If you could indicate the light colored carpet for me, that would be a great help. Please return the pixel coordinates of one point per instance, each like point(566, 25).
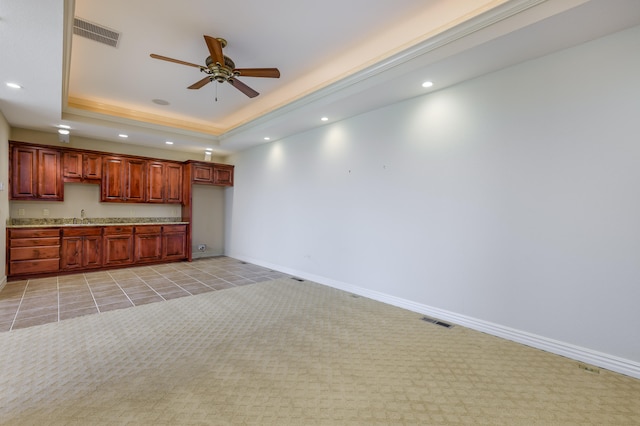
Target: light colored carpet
point(285, 352)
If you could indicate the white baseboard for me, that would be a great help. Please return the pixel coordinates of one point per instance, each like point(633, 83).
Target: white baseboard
point(598, 359)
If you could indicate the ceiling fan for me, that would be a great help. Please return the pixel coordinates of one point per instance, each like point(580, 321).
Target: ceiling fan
point(221, 68)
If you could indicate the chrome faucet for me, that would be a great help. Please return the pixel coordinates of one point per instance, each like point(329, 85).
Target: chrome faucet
point(82, 215)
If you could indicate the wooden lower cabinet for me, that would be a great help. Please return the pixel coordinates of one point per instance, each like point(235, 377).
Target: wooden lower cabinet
point(81, 248)
point(148, 243)
point(174, 242)
point(33, 251)
point(154, 243)
point(46, 251)
point(118, 245)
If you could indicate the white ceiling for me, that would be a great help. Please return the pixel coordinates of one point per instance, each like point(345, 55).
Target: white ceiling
point(337, 58)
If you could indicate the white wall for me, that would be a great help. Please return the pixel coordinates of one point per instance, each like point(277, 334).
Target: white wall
point(208, 220)
point(511, 200)
point(80, 196)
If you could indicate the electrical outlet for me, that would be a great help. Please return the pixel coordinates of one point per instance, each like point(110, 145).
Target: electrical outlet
point(45, 212)
point(20, 212)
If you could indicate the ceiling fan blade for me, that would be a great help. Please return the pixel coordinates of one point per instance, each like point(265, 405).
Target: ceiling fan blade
point(258, 72)
point(177, 61)
point(200, 83)
point(243, 88)
point(215, 49)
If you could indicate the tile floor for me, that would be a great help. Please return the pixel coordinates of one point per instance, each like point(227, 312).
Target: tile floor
point(39, 301)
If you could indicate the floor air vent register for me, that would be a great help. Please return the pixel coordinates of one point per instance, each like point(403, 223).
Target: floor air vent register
point(437, 322)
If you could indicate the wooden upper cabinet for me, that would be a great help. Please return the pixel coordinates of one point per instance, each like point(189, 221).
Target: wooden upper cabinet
point(173, 183)
point(81, 166)
point(123, 180)
point(36, 174)
point(202, 172)
point(24, 168)
point(156, 171)
point(223, 174)
point(135, 179)
point(212, 173)
point(49, 175)
point(112, 188)
point(164, 182)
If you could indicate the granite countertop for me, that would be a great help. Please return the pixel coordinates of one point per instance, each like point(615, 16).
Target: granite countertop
point(104, 221)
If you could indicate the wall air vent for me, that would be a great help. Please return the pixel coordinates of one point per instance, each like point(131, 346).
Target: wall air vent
point(95, 32)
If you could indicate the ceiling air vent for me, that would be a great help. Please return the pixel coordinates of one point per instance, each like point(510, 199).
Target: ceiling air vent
point(95, 32)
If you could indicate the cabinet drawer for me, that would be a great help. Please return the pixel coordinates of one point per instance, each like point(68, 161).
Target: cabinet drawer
point(31, 242)
point(34, 266)
point(34, 233)
point(80, 232)
point(175, 228)
point(113, 230)
point(148, 229)
point(38, 252)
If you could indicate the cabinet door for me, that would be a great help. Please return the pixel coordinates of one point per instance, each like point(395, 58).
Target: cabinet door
point(173, 183)
point(71, 253)
point(118, 249)
point(156, 182)
point(92, 251)
point(81, 167)
point(92, 166)
point(174, 244)
point(135, 180)
point(72, 166)
point(202, 173)
point(23, 172)
point(50, 175)
point(112, 188)
point(148, 247)
point(223, 175)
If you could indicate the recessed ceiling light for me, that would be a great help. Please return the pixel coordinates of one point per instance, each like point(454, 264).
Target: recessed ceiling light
point(160, 102)
point(267, 138)
point(64, 126)
point(325, 119)
point(122, 135)
point(427, 84)
point(169, 143)
point(63, 131)
point(14, 85)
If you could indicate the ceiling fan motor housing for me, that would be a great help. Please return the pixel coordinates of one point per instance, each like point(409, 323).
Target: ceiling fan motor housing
point(220, 73)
